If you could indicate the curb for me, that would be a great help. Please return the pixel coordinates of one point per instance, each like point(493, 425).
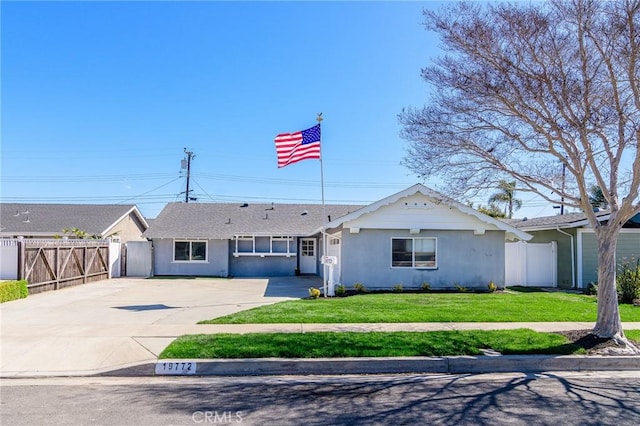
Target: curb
point(400, 365)
point(360, 366)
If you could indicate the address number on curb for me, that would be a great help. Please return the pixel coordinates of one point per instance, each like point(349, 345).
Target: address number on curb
point(176, 368)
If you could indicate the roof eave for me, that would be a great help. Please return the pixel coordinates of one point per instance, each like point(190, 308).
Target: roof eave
point(440, 198)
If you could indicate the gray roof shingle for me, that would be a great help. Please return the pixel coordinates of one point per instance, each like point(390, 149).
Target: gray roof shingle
point(39, 219)
point(569, 220)
point(224, 220)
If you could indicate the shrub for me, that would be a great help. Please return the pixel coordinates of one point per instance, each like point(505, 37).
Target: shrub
point(12, 290)
point(398, 288)
point(460, 288)
point(628, 281)
point(492, 287)
point(341, 290)
point(314, 293)
point(359, 287)
point(425, 286)
point(591, 289)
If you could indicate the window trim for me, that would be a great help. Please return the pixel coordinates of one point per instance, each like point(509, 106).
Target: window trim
point(191, 260)
point(413, 252)
point(288, 239)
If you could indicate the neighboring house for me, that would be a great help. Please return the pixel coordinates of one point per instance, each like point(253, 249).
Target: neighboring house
point(124, 222)
point(419, 236)
point(411, 237)
point(241, 240)
point(577, 250)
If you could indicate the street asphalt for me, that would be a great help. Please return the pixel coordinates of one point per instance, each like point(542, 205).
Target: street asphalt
point(120, 326)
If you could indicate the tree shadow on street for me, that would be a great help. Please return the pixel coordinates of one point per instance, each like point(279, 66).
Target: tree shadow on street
point(367, 400)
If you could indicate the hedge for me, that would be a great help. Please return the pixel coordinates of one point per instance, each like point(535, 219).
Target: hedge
point(12, 290)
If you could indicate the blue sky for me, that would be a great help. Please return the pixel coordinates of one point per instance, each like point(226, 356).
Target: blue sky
point(99, 99)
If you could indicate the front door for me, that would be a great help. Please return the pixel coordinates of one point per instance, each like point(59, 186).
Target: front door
point(308, 256)
point(334, 250)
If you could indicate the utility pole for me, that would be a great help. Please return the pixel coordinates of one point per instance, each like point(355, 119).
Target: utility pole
point(190, 156)
point(564, 177)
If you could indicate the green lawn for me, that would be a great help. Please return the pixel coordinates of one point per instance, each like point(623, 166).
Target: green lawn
point(431, 307)
point(374, 344)
point(633, 335)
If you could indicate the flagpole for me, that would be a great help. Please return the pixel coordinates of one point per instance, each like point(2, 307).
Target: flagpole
point(324, 215)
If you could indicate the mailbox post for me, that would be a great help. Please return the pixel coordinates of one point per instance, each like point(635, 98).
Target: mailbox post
point(330, 261)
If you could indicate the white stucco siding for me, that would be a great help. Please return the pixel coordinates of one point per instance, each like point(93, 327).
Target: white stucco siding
point(418, 212)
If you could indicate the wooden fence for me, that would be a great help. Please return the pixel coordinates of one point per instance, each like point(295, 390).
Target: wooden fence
point(54, 264)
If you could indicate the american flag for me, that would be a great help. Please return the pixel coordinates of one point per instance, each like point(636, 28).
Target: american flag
point(298, 146)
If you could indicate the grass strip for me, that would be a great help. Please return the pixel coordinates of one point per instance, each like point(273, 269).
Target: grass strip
point(633, 335)
point(430, 307)
point(371, 344)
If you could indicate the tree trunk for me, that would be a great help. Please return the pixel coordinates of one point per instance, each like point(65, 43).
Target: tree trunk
point(608, 324)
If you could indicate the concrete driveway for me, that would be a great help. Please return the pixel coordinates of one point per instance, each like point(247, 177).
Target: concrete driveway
point(123, 322)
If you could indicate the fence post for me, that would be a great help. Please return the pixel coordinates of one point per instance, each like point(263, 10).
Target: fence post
point(56, 261)
point(21, 260)
point(86, 265)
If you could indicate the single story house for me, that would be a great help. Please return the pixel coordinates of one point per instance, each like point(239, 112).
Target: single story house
point(20, 220)
point(577, 250)
point(412, 237)
point(420, 236)
point(240, 240)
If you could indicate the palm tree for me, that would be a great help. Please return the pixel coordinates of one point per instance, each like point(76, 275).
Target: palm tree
point(506, 196)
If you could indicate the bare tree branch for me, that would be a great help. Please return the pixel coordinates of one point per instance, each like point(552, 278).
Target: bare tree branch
point(525, 90)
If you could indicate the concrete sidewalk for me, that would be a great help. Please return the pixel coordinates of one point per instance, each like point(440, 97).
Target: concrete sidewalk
point(123, 325)
point(133, 350)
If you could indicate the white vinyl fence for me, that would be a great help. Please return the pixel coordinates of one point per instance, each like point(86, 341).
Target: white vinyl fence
point(531, 265)
point(9, 259)
point(139, 259)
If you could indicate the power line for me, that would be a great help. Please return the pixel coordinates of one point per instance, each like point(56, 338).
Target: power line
point(151, 190)
point(205, 176)
point(203, 190)
point(86, 178)
point(114, 198)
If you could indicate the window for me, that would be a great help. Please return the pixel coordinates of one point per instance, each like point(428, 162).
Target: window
point(413, 252)
point(281, 244)
point(308, 247)
point(190, 251)
point(264, 245)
